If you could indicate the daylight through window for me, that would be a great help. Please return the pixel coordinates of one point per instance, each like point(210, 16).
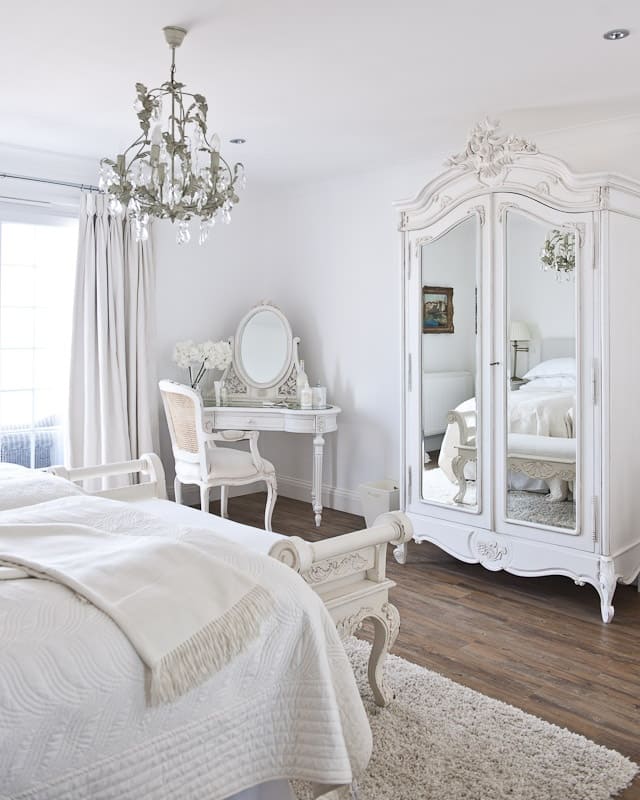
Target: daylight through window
point(37, 268)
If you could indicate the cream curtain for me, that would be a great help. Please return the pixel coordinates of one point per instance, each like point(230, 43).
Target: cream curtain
point(112, 408)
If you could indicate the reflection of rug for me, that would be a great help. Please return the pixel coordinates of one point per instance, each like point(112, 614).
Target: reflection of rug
point(441, 741)
point(534, 507)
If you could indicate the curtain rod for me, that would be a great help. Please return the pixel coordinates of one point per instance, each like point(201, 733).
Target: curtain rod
point(68, 184)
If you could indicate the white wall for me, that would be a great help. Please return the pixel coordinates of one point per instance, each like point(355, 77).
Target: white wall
point(204, 290)
point(340, 258)
point(328, 254)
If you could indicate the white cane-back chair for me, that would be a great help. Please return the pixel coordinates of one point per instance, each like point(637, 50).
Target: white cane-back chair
point(200, 461)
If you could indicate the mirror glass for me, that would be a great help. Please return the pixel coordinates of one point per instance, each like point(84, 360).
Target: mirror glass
point(450, 410)
point(541, 397)
point(264, 347)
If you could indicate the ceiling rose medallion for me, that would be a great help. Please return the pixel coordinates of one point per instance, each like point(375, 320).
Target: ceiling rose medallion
point(174, 169)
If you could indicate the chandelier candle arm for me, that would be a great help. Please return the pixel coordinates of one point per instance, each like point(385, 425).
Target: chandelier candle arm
point(172, 170)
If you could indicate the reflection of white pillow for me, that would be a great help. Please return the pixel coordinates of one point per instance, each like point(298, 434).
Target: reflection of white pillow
point(562, 382)
point(553, 368)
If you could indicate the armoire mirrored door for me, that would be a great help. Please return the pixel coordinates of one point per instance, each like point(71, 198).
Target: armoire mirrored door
point(541, 403)
point(450, 431)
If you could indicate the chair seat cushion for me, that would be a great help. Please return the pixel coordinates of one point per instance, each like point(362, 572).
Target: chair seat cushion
point(223, 462)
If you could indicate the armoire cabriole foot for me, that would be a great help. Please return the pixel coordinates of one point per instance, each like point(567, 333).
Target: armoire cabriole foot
point(527, 273)
point(607, 586)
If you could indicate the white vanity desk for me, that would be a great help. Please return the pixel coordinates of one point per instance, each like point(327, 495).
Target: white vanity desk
point(260, 389)
point(315, 422)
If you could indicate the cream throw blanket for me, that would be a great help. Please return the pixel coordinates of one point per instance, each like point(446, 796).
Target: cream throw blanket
point(186, 612)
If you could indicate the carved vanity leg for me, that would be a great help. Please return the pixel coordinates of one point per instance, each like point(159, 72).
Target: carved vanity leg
point(272, 496)
point(316, 493)
point(204, 498)
point(177, 490)
point(457, 465)
point(386, 628)
point(224, 497)
point(607, 586)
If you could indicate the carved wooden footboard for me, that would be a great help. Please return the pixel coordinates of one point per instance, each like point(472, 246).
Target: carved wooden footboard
point(347, 571)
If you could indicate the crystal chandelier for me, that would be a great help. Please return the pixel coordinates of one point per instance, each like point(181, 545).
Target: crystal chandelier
point(172, 170)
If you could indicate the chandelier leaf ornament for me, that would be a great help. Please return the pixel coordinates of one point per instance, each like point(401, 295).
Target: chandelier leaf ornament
point(173, 170)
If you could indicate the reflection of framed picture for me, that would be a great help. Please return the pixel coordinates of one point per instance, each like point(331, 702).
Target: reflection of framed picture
point(437, 309)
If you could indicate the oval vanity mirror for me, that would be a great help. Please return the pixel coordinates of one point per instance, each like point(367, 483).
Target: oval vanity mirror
point(263, 347)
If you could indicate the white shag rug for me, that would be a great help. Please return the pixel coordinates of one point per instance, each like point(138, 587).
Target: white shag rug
point(534, 507)
point(439, 740)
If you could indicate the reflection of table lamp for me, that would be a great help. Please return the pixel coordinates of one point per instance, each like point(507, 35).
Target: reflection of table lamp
point(518, 332)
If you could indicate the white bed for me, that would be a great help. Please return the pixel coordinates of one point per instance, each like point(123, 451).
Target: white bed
point(535, 410)
point(73, 719)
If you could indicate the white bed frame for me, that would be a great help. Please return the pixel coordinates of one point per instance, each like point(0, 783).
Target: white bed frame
point(347, 571)
point(548, 458)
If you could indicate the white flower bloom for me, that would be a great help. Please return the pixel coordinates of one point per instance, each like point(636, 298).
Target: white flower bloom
point(217, 355)
point(181, 353)
point(210, 355)
point(196, 356)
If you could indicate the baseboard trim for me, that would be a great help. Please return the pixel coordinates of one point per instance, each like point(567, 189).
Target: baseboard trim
point(335, 497)
point(346, 500)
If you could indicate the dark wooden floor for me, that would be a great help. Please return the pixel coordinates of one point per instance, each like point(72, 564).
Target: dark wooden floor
point(537, 643)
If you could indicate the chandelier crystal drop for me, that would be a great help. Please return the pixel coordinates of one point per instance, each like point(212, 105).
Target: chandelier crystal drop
point(173, 170)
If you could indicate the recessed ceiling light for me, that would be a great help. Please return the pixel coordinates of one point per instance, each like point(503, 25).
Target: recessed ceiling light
point(237, 141)
point(615, 34)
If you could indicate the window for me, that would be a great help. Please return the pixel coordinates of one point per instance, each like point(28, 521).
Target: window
point(37, 270)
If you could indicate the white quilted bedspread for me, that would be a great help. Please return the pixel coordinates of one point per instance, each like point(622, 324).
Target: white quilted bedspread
point(73, 720)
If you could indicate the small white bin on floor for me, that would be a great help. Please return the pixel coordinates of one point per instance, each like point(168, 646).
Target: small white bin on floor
point(378, 497)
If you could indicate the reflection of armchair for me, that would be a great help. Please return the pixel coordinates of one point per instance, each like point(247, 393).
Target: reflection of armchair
point(467, 448)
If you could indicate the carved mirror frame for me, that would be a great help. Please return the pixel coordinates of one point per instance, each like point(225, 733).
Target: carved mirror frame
point(240, 386)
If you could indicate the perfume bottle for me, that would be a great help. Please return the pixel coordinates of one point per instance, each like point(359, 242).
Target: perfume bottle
point(302, 382)
point(306, 397)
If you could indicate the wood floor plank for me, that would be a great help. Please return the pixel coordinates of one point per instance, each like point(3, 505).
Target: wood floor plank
point(536, 643)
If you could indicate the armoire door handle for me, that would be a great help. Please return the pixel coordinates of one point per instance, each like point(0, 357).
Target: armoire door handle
point(494, 363)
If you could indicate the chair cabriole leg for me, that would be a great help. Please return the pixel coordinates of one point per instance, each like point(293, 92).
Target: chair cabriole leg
point(272, 496)
point(204, 498)
point(224, 496)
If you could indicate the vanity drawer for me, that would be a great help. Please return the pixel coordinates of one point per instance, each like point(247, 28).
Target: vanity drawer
point(247, 422)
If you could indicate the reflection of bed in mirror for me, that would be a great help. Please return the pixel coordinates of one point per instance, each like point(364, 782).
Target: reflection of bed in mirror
point(541, 441)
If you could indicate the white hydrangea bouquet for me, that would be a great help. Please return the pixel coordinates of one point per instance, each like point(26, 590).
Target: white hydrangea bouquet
point(198, 358)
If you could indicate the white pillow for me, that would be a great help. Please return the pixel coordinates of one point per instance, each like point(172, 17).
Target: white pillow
point(561, 383)
point(553, 368)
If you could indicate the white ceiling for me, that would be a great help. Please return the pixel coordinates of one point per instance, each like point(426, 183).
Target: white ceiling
point(316, 87)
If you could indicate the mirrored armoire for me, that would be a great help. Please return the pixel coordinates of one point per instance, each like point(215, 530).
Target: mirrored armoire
point(521, 354)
